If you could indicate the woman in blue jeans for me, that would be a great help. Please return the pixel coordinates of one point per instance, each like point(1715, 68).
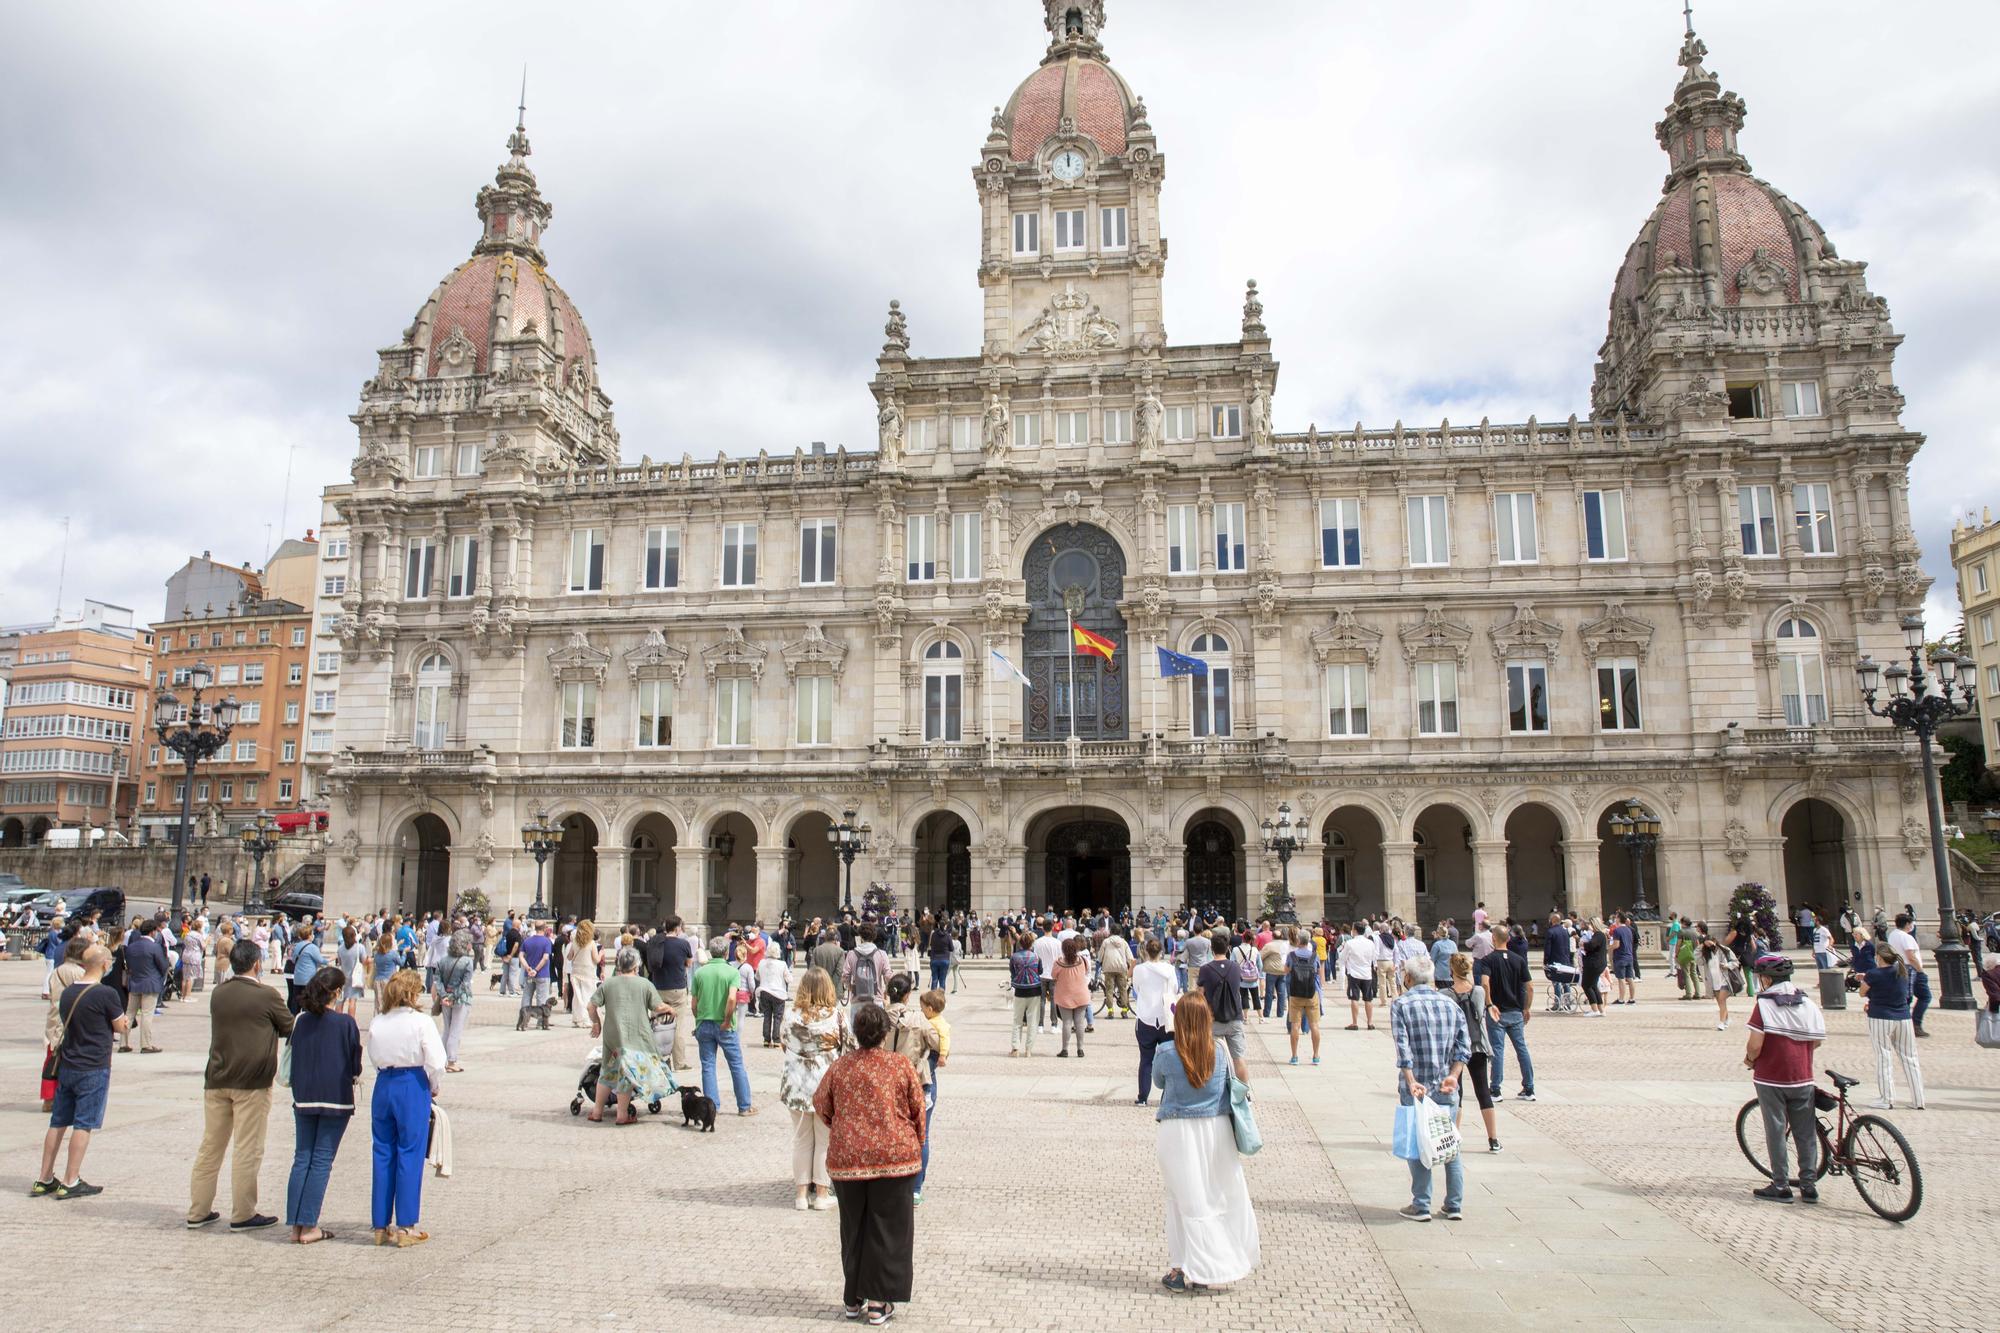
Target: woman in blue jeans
point(326, 1064)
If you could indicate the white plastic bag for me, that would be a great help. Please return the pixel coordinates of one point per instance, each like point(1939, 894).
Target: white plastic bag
point(1437, 1136)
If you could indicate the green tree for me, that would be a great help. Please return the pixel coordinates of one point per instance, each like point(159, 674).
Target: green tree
point(1965, 776)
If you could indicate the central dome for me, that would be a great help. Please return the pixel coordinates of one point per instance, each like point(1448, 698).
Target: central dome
point(1074, 90)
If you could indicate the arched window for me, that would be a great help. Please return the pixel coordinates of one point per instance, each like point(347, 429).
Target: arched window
point(1801, 673)
point(944, 692)
point(1210, 716)
point(433, 702)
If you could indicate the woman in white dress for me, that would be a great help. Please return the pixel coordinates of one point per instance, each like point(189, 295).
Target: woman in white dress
point(1211, 1228)
point(585, 966)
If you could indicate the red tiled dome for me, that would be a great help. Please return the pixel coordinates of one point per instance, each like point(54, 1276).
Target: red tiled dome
point(1086, 90)
point(1750, 216)
point(468, 302)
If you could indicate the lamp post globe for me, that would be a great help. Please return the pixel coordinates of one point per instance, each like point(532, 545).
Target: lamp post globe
point(1283, 837)
point(260, 839)
point(539, 839)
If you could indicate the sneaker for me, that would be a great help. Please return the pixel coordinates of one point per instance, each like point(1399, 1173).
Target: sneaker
point(1295, 1059)
point(916, 1197)
point(1414, 1213)
point(1062, 1055)
point(82, 1189)
point(1493, 1145)
point(204, 1221)
point(1315, 1059)
point(1453, 1214)
point(1497, 1095)
point(824, 1203)
point(800, 1203)
point(1723, 1026)
point(1883, 1104)
point(254, 1222)
point(1774, 1194)
point(1809, 1193)
point(1527, 1094)
point(43, 1188)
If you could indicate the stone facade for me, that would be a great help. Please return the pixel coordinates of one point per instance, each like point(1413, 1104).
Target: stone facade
point(1454, 650)
point(1973, 546)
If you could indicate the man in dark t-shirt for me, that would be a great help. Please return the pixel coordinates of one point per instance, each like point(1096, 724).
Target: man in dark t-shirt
point(668, 956)
point(1510, 1003)
point(90, 1014)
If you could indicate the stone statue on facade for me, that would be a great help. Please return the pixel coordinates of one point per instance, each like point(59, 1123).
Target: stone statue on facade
point(993, 441)
point(891, 423)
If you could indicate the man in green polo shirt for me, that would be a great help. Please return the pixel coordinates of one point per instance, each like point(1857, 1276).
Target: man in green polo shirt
point(714, 985)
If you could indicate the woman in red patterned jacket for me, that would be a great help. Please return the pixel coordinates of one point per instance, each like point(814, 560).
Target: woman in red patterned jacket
point(873, 1107)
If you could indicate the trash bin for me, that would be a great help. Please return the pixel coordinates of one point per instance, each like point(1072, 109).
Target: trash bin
point(1832, 988)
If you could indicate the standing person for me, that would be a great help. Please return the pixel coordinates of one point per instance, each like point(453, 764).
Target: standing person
point(827, 956)
point(774, 988)
point(1887, 989)
point(386, 964)
point(586, 964)
point(1596, 957)
point(1510, 1003)
point(1072, 994)
point(1211, 1227)
point(1903, 944)
point(146, 971)
point(1024, 977)
point(408, 1056)
point(1356, 961)
point(1471, 999)
point(1048, 951)
point(1272, 951)
point(622, 1013)
point(865, 971)
point(873, 1108)
point(1717, 966)
point(1302, 991)
point(246, 1022)
point(352, 960)
point(669, 961)
point(714, 985)
point(454, 993)
point(326, 1064)
point(1218, 985)
point(66, 975)
point(1822, 947)
point(1685, 966)
point(204, 893)
point(932, 1003)
point(939, 949)
point(1243, 956)
point(1154, 988)
point(1432, 1046)
point(1786, 1026)
point(1114, 965)
point(813, 1036)
point(194, 953)
point(88, 1014)
point(533, 962)
point(1625, 960)
point(306, 959)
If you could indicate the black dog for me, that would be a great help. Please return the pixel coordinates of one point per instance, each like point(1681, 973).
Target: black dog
point(697, 1110)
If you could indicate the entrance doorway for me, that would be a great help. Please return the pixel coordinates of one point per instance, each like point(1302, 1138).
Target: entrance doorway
point(1213, 858)
point(1088, 865)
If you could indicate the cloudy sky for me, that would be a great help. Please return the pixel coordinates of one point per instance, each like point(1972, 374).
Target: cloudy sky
point(217, 212)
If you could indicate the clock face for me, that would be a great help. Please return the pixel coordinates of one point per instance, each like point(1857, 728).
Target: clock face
point(1067, 165)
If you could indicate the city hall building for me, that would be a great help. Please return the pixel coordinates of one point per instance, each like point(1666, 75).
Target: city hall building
point(1456, 651)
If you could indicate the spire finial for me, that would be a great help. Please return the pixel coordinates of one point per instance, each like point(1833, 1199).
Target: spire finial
point(517, 142)
point(1687, 12)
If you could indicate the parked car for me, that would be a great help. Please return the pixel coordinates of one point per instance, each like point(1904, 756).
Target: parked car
point(298, 905)
point(108, 902)
point(10, 884)
point(14, 895)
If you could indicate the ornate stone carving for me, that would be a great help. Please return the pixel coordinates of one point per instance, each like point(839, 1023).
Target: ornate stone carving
point(1916, 841)
point(456, 355)
point(1526, 635)
point(1674, 793)
point(577, 660)
point(1875, 580)
point(656, 659)
point(896, 333)
point(1761, 280)
point(735, 656)
point(1912, 580)
point(1070, 326)
point(1736, 842)
point(483, 851)
point(1866, 393)
point(993, 431)
point(1346, 640)
point(889, 422)
point(349, 845)
point(1732, 784)
point(1616, 632)
point(813, 653)
point(1151, 413)
point(1435, 637)
point(1253, 314)
point(1699, 401)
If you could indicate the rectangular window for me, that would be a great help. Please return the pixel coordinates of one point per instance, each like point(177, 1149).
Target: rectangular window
point(152, 792)
point(325, 664)
point(815, 710)
point(1210, 697)
point(284, 789)
point(1118, 425)
point(319, 742)
point(251, 712)
point(1072, 428)
point(290, 751)
point(586, 560)
point(295, 673)
point(920, 435)
point(1183, 539)
point(1759, 520)
point(579, 715)
point(1979, 579)
point(1802, 688)
point(733, 703)
point(919, 558)
point(1993, 680)
point(965, 435)
point(1604, 525)
point(1514, 527)
point(215, 639)
point(1347, 700)
point(1228, 538)
point(1111, 233)
point(1618, 694)
point(1812, 511)
point(468, 459)
point(1027, 430)
point(944, 699)
point(1437, 699)
point(656, 714)
point(1226, 422)
point(263, 636)
point(242, 638)
point(1986, 627)
point(226, 675)
point(739, 555)
point(246, 752)
point(333, 585)
point(817, 552)
point(1430, 530)
point(1340, 534)
point(1069, 229)
point(292, 712)
point(430, 460)
point(336, 548)
point(462, 575)
point(965, 546)
point(1027, 233)
point(663, 558)
point(1800, 397)
point(299, 637)
point(224, 792)
point(419, 564)
point(1177, 424)
point(1527, 697)
point(1746, 400)
point(322, 700)
point(201, 791)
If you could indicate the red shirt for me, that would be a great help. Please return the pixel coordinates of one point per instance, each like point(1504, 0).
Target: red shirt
point(1784, 1062)
point(754, 949)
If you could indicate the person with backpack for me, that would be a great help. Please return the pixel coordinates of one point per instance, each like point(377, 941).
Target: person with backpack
point(864, 975)
point(1302, 1003)
point(1024, 977)
point(1221, 986)
point(939, 948)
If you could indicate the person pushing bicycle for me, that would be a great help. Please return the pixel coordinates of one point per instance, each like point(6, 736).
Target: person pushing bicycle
point(1786, 1026)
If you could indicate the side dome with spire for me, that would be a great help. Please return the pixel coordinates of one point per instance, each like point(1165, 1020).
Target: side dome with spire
point(1074, 90)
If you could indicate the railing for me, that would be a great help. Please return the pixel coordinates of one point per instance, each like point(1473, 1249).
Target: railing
point(1822, 734)
point(1216, 747)
point(1485, 437)
point(796, 467)
point(451, 395)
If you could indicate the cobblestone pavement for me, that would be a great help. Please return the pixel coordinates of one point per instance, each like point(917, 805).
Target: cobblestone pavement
point(1620, 1203)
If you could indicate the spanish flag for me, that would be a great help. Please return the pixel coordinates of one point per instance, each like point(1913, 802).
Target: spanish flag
point(1083, 641)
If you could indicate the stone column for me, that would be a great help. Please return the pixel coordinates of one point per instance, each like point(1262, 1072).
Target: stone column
point(691, 889)
point(1580, 881)
point(999, 880)
point(614, 865)
point(772, 866)
point(1309, 882)
point(1399, 879)
point(1155, 889)
point(1489, 875)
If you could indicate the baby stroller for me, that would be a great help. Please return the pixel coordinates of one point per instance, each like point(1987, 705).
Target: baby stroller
point(586, 1086)
point(1565, 994)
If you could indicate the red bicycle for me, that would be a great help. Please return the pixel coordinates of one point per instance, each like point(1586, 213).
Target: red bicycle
point(1866, 1148)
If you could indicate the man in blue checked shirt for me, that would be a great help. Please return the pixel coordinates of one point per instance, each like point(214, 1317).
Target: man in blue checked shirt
point(1432, 1047)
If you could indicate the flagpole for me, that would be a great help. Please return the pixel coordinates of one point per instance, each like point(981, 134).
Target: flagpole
point(1153, 693)
point(990, 650)
point(1072, 670)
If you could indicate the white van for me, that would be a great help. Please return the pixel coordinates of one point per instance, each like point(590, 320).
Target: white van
point(73, 837)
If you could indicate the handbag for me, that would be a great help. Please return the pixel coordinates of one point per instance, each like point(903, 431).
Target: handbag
point(1403, 1138)
point(1242, 1121)
point(285, 1066)
point(1987, 1034)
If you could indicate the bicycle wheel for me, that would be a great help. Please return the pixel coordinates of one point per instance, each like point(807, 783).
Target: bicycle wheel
point(1750, 1138)
point(1884, 1168)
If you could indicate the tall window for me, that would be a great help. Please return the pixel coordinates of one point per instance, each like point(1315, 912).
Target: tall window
point(1759, 520)
point(1801, 673)
point(817, 566)
point(919, 555)
point(1618, 694)
point(1430, 530)
point(1210, 693)
point(1177, 424)
point(965, 434)
point(463, 577)
point(1028, 430)
point(1604, 525)
point(1183, 539)
point(1812, 511)
point(1979, 581)
point(1527, 697)
point(1437, 699)
point(733, 705)
point(1112, 235)
point(1072, 428)
point(1027, 233)
point(663, 558)
point(1799, 398)
point(920, 435)
point(586, 560)
point(1227, 423)
point(1514, 527)
point(965, 546)
point(1340, 534)
point(815, 710)
point(579, 715)
point(429, 460)
point(656, 714)
point(433, 702)
point(1228, 538)
point(1347, 699)
point(1069, 229)
point(739, 555)
point(468, 459)
point(1118, 425)
point(944, 692)
point(419, 563)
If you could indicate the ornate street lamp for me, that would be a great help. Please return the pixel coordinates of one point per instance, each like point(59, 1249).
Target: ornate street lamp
point(849, 841)
point(1639, 829)
point(203, 733)
point(1919, 704)
point(540, 839)
point(1284, 838)
point(260, 839)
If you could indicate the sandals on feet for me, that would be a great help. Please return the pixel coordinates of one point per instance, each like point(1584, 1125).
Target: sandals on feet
point(881, 1314)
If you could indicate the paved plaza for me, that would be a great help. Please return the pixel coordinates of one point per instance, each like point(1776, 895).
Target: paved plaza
point(1620, 1202)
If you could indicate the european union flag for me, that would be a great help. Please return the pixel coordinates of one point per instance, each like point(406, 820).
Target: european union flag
point(1178, 664)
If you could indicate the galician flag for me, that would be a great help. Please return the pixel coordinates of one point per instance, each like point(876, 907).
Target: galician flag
point(1009, 671)
point(1083, 641)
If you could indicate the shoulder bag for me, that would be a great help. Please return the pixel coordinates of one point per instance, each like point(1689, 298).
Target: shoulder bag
point(52, 1062)
point(1242, 1121)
